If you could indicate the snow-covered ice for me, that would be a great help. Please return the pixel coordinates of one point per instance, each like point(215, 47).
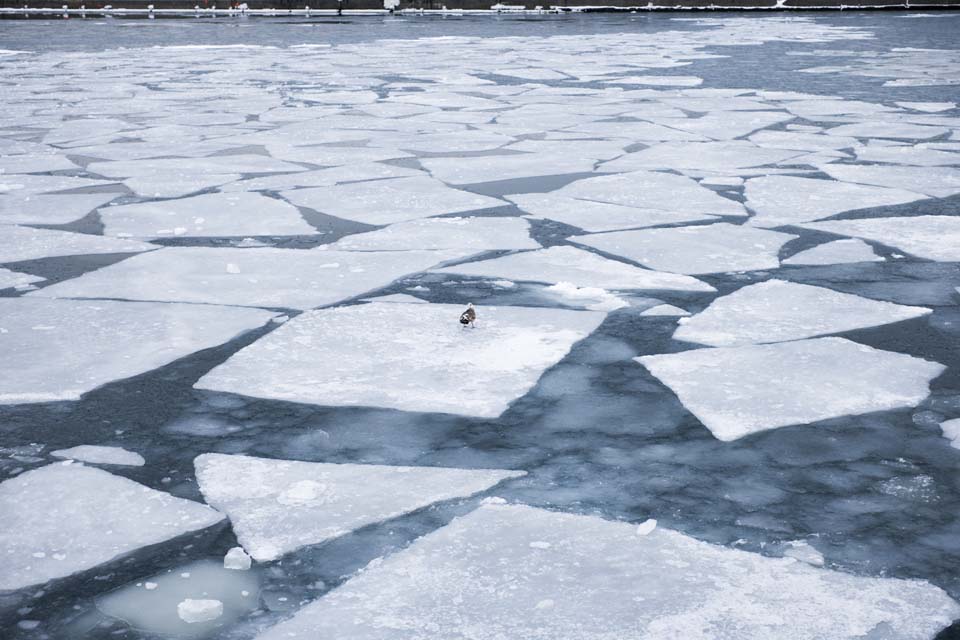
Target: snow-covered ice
point(60, 349)
point(777, 311)
point(475, 234)
point(578, 267)
point(785, 200)
point(65, 518)
point(930, 237)
point(264, 277)
point(532, 573)
point(97, 454)
point(712, 248)
point(389, 201)
point(433, 365)
point(27, 243)
point(277, 506)
point(593, 216)
point(212, 214)
point(951, 431)
point(804, 381)
point(836, 252)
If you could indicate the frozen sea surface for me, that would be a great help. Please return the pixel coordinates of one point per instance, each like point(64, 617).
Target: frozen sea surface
point(248, 242)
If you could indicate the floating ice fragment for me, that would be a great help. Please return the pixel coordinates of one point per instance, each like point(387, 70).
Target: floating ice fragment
point(777, 311)
point(236, 559)
point(665, 310)
point(604, 581)
point(712, 248)
point(595, 216)
point(79, 517)
point(13, 279)
point(804, 552)
point(785, 200)
point(646, 527)
point(192, 611)
point(211, 214)
point(939, 182)
point(249, 491)
point(896, 130)
point(505, 167)
point(432, 364)
point(931, 237)
point(577, 267)
point(836, 252)
point(267, 277)
point(96, 454)
point(476, 234)
point(737, 391)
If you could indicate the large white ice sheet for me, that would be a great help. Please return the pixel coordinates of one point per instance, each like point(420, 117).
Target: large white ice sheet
point(512, 572)
point(577, 267)
point(930, 237)
point(737, 391)
point(482, 233)
point(389, 201)
point(413, 357)
point(277, 506)
point(60, 349)
point(712, 248)
point(652, 190)
point(259, 277)
point(65, 518)
point(27, 243)
point(211, 214)
point(785, 200)
point(776, 311)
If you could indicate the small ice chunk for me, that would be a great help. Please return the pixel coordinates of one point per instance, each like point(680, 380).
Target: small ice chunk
point(777, 311)
point(476, 234)
point(578, 267)
point(592, 298)
point(804, 552)
point(601, 581)
point(646, 527)
point(785, 200)
point(78, 517)
point(665, 310)
point(434, 365)
point(931, 237)
point(331, 499)
point(96, 454)
point(951, 431)
point(712, 248)
point(737, 391)
point(836, 252)
point(237, 559)
point(192, 611)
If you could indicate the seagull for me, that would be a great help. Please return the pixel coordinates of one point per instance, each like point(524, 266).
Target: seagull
point(469, 316)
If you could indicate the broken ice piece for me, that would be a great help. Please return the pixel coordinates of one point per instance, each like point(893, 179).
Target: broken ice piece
point(96, 454)
point(236, 559)
point(192, 611)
